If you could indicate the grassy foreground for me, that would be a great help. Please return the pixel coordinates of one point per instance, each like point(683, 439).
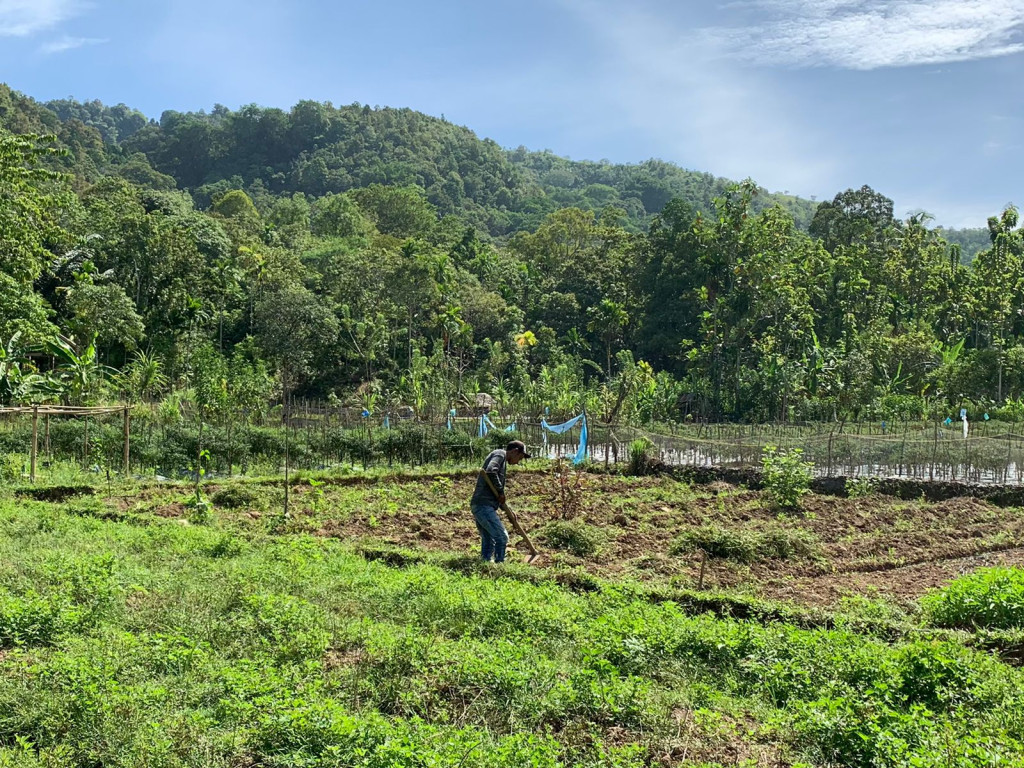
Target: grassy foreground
point(149, 641)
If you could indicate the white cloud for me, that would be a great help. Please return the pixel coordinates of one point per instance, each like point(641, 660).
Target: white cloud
point(22, 18)
point(67, 43)
point(869, 34)
point(696, 107)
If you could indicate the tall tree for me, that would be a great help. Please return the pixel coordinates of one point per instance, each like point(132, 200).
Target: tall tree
point(32, 201)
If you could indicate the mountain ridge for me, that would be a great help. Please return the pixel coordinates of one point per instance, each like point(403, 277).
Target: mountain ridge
point(316, 149)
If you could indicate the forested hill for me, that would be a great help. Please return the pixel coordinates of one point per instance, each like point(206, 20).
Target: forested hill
point(211, 250)
point(317, 149)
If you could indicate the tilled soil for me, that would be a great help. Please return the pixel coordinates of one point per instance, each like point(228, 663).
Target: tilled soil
point(876, 546)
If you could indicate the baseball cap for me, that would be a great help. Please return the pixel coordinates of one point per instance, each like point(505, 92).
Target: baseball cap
point(518, 445)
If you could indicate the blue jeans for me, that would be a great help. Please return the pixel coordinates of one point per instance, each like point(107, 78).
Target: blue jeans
point(493, 536)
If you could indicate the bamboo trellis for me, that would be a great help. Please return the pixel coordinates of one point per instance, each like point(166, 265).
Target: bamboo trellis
point(70, 410)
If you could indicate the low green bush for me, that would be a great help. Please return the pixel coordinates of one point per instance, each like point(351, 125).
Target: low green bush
point(575, 537)
point(640, 451)
point(30, 620)
point(746, 546)
point(723, 543)
point(787, 544)
point(786, 476)
point(499, 438)
point(234, 497)
point(991, 598)
point(860, 487)
point(12, 467)
point(226, 545)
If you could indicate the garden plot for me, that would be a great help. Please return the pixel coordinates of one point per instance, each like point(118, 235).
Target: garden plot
point(144, 626)
point(649, 529)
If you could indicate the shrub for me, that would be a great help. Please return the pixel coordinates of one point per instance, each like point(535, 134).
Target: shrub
point(992, 598)
point(234, 497)
point(441, 488)
point(717, 542)
point(640, 456)
point(859, 487)
point(575, 537)
point(499, 438)
point(786, 476)
point(199, 509)
point(30, 620)
point(226, 545)
point(745, 546)
point(12, 467)
point(787, 544)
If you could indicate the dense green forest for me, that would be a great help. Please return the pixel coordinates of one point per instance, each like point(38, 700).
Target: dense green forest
point(381, 257)
point(317, 149)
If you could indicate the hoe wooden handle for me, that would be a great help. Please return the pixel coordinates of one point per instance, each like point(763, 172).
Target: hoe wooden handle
point(518, 528)
point(513, 518)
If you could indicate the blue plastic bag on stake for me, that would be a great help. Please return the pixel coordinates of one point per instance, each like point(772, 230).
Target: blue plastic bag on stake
point(581, 453)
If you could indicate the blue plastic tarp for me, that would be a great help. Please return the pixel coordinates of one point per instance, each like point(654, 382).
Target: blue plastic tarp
point(559, 429)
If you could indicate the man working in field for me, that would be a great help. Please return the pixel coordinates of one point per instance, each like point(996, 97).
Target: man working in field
point(489, 496)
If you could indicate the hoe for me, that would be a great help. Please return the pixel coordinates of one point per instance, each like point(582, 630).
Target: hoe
point(514, 519)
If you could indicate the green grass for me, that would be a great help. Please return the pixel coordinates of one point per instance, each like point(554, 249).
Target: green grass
point(142, 641)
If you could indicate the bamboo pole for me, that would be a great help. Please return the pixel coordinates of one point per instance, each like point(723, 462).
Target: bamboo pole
point(127, 440)
point(35, 443)
point(287, 454)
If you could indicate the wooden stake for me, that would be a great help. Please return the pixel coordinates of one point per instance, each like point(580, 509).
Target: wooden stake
point(35, 442)
point(703, 566)
point(127, 440)
point(287, 457)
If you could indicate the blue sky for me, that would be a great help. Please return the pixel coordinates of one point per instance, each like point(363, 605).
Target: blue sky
point(921, 99)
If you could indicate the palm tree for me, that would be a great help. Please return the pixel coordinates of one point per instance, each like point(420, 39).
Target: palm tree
point(143, 377)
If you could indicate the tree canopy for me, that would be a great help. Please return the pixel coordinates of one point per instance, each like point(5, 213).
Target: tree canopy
point(350, 252)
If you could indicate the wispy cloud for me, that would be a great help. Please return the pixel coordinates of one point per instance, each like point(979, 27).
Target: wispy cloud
point(685, 98)
point(870, 34)
point(22, 18)
point(68, 43)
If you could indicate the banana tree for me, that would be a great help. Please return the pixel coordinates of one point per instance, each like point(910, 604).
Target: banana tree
point(944, 373)
point(80, 374)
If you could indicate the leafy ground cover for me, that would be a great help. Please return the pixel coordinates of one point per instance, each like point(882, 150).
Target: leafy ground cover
point(990, 598)
point(360, 631)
